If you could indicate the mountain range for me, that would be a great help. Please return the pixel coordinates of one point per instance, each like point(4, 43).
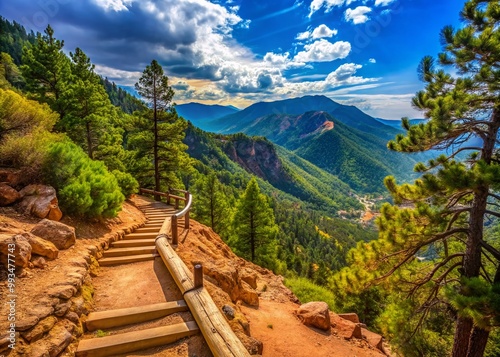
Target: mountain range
point(338, 139)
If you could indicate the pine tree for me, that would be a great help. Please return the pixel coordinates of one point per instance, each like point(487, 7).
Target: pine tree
point(441, 216)
point(254, 226)
point(211, 205)
point(46, 70)
point(158, 139)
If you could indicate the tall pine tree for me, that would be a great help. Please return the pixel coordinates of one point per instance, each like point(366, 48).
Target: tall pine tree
point(159, 134)
point(46, 70)
point(254, 226)
point(441, 217)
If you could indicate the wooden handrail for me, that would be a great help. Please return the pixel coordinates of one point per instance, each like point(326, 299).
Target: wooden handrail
point(213, 325)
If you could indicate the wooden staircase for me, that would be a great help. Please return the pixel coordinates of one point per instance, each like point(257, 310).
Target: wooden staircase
point(136, 247)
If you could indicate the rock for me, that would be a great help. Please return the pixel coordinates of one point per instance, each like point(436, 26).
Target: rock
point(37, 200)
point(228, 311)
point(27, 323)
point(55, 213)
point(315, 314)
point(62, 308)
point(73, 317)
point(21, 250)
point(61, 235)
point(41, 246)
point(248, 295)
point(62, 291)
point(57, 340)
point(345, 328)
point(39, 262)
point(11, 176)
point(8, 195)
point(373, 339)
point(353, 317)
point(4, 344)
point(40, 329)
point(249, 277)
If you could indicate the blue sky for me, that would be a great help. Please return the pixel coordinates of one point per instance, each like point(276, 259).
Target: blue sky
point(237, 52)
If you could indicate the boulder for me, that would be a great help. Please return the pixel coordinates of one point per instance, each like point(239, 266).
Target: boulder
point(21, 250)
point(61, 235)
point(373, 339)
point(351, 316)
point(39, 262)
point(315, 314)
point(37, 200)
point(345, 328)
point(8, 195)
point(41, 246)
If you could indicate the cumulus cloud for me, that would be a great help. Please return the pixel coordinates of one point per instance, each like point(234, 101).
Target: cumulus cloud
point(323, 51)
point(372, 60)
point(383, 2)
point(115, 5)
point(357, 15)
point(322, 31)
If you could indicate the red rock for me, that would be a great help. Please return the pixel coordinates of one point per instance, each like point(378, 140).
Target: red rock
point(315, 314)
point(8, 195)
point(345, 328)
point(373, 339)
point(21, 252)
point(61, 235)
point(37, 200)
point(41, 246)
point(353, 317)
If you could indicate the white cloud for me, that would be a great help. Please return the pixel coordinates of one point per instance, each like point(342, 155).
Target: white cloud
point(115, 5)
point(383, 2)
point(328, 4)
point(372, 60)
point(358, 15)
point(322, 31)
point(323, 51)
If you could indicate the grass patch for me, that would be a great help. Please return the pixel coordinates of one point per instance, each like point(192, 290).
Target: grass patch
point(307, 291)
point(101, 333)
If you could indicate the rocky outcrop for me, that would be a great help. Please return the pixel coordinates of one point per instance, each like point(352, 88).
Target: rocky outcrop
point(8, 195)
point(61, 235)
point(374, 339)
point(351, 316)
point(40, 201)
point(12, 177)
point(315, 314)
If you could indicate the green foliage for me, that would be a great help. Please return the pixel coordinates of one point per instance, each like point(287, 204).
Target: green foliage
point(85, 187)
point(121, 98)
point(440, 219)
point(211, 204)
point(10, 76)
point(128, 184)
point(13, 37)
point(254, 228)
point(47, 71)
point(306, 291)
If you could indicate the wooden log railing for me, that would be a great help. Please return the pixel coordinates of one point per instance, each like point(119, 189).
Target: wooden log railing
point(213, 325)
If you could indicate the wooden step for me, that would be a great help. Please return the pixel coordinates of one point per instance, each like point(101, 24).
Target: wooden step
point(121, 252)
point(136, 340)
point(126, 260)
point(140, 235)
point(157, 216)
point(133, 243)
point(151, 229)
point(132, 315)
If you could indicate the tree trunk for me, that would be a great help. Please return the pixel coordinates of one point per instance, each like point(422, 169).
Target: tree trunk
point(478, 341)
point(461, 340)
point(252, 236)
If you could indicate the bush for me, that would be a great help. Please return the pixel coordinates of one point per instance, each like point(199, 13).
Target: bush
point(307, 291)
point(128, 184)
point(85, 187)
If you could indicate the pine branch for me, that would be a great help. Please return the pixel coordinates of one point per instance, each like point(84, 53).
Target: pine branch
point(493, 213)
point(491, 249)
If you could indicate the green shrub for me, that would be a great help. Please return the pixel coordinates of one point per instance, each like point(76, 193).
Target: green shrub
point(128, 184)
point(307, 291)
point(85, 187)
